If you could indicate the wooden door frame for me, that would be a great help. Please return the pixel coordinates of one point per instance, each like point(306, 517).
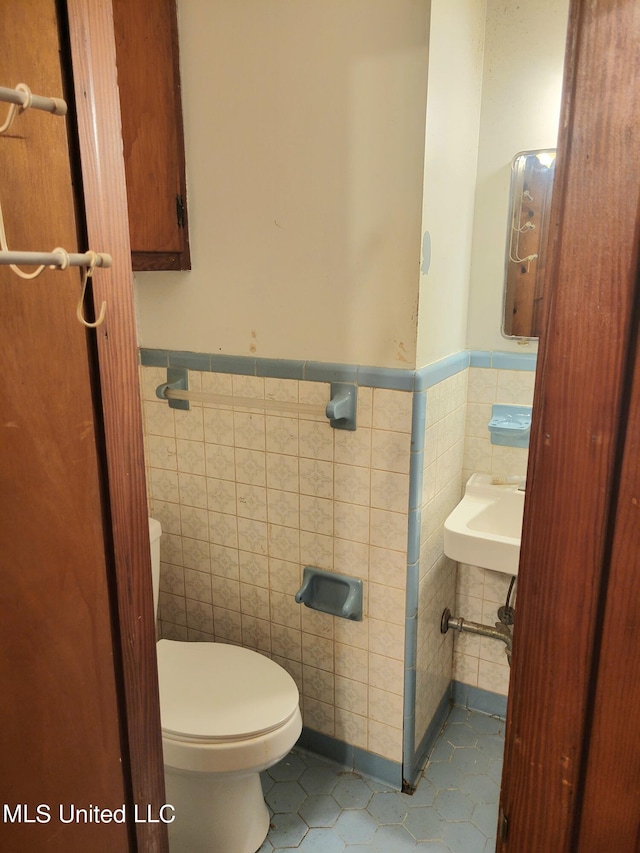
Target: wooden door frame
point(582, 384)
point(93, 60)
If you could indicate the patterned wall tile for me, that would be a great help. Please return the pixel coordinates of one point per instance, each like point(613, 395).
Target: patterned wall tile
point(351, 558)
point(384, 740)
point(351, 663)
point(353, 448)
point(351, 728)
point(190, 423)
point(442, 483)
point(218, 426)
point(314, 441)
point(316, 477)
point(386, 639)
point(254, 568)
point(249, 430)
point(351, 695)
point(282, 435)
point(252, 535)
point(245, 466)
point(389, 529)
point(392, 410)
point(389, 491)
point(247, 499)
point(281, 389)
point(194, 490)
point(200, 616)
point(390, 451)
point(481, 592)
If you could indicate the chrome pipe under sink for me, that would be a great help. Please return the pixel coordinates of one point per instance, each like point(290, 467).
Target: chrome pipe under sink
point(497, 632)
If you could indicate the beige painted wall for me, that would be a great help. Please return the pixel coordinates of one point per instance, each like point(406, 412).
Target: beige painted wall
point(522, 86)
point(304, 129)
point(305, 137)
point(452, 127)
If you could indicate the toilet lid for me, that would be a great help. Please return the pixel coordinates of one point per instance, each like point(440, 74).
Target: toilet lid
point(216, 691)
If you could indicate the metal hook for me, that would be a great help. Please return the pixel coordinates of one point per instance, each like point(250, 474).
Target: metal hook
point(79, 310)
point(14, 109)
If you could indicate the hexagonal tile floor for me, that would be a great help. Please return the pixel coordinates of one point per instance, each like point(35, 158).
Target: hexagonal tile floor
point(317, 806)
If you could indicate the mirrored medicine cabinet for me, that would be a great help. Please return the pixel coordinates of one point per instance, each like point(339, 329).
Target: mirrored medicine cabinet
point(531, 187)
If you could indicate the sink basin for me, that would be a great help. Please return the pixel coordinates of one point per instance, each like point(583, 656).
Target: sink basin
point(485, 528)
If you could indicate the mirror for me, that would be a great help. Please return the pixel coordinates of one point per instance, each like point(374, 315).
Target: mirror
point(530, 193)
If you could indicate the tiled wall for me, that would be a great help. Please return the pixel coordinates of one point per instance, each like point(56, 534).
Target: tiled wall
point(441, 489)
point(247, 499)
point(480, 661)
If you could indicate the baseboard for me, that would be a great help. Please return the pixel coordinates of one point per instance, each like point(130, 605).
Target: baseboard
point(413, 773)
point(352, 757)
point(476, 699)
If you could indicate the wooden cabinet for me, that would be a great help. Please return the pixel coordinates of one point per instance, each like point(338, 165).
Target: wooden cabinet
point(146, 34)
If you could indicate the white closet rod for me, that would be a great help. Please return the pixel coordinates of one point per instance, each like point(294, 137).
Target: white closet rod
point(244, 402)
point(53, 259)
point(37, 102)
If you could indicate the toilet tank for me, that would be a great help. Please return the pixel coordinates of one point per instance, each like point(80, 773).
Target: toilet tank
point(155, 531)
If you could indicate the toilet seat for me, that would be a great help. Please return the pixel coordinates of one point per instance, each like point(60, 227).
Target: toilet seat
point(215, 692)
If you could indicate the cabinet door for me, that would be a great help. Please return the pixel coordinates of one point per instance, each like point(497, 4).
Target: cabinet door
point(149, 81)
point(60, 734)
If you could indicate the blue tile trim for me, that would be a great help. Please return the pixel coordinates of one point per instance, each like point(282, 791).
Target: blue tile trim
point(467, 696)
point(383, 769)
point(418, 421)
point(352, 757)
point(233, 364)
point(409, 736)
point(387, 377)
point(410, 712)
point(279, 368)
point(411, 645)
point(503, 360)
point(413, 575)
point(479, 358)
point(413, 535)
point(154, 357)
point(416, 473)
point(190, 360)
point(409, 700)
point(327, 746)
point(429, 738)
point(440, 370)
point(514, 360)
point(395, 379)
point(320, 371)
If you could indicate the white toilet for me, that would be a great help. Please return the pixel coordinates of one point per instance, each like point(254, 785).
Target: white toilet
point(227, 714)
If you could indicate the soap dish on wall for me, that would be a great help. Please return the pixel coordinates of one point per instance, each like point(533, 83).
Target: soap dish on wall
point(510, 425)
point(332, 593)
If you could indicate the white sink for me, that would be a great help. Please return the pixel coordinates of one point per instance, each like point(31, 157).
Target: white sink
point(486, 526)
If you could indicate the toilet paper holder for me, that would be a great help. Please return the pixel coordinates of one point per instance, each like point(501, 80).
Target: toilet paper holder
point(330, 592)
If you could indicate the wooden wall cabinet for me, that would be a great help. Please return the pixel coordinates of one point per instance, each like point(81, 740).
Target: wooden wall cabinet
point(146, 33)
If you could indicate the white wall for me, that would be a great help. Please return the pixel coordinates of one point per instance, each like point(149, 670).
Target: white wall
point(304, 127)
point(453, 117)
point(522, 87)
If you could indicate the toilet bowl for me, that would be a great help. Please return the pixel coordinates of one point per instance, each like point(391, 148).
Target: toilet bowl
point(227, 714)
